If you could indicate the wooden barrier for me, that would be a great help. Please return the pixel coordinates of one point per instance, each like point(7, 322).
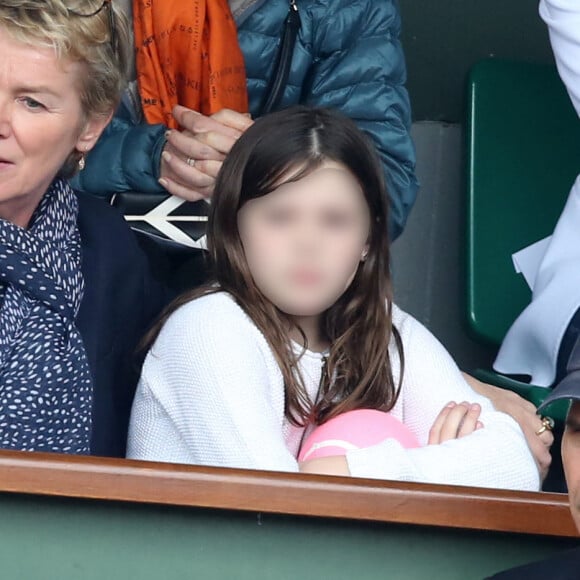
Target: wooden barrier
point(282, 493)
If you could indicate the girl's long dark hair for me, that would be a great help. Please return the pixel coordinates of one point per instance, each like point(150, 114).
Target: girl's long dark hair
point(359, 369)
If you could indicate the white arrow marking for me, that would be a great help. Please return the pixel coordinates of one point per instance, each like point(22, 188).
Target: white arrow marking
point(160, 219)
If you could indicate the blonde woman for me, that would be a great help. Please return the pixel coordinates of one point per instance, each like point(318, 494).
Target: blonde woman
point(74, 288)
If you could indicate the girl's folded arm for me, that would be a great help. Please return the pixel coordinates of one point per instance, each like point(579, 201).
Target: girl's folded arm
point(495, 456)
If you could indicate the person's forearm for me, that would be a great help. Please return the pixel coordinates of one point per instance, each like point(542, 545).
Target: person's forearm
point(494, 456)
point(333, 465)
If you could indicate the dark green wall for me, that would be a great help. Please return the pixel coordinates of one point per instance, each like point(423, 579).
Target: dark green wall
point(44, 538)
point(443, 38)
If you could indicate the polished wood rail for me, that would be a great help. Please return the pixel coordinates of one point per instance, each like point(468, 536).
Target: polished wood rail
point(295, 494)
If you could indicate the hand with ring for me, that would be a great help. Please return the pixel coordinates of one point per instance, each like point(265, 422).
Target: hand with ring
point(193, 156)
point(547, 425)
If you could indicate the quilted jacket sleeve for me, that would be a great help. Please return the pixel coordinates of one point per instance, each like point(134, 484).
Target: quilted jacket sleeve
point(126, 158)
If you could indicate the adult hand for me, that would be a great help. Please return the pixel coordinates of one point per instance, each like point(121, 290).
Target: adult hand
point(524, 413)
point(455, 421)
point(193, 157)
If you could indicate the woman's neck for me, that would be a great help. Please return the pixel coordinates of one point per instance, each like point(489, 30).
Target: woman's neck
point(310, 326)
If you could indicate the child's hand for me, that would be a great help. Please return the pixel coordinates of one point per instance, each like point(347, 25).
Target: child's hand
point(455, 421)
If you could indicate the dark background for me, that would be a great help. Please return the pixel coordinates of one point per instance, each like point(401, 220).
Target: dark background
point(443, 38)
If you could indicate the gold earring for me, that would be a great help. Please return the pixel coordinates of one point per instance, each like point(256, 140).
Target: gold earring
point(82, 162)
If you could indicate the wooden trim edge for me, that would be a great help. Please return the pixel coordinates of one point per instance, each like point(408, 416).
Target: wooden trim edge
point(285, 493)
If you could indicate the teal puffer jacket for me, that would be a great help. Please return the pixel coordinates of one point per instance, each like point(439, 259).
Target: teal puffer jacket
point(347, 56)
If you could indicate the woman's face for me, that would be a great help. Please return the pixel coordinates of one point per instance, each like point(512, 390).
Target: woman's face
point(41, 123)
point(304, 241)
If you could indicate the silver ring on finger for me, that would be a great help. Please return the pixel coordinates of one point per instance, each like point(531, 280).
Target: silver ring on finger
point(190, 161)
point(547, 425)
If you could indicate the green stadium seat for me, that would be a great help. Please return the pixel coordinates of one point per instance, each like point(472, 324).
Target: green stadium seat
point(523, 140)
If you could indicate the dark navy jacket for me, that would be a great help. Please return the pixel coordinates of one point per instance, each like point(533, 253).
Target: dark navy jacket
point(560, 566)
point(121, 299)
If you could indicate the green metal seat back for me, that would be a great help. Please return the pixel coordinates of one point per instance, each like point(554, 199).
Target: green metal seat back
point(523, 153)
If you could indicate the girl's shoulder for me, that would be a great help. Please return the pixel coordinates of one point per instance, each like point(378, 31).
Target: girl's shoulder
point(209, 319)
point(417, 339)
point(218, 300)
point(402, 320)
point(206, 342)
point(413, 333)
point(215, 308)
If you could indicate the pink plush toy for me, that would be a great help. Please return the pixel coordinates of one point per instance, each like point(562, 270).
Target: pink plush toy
point(355, 430)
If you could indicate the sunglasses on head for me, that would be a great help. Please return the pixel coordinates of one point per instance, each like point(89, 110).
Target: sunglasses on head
point(108, 5)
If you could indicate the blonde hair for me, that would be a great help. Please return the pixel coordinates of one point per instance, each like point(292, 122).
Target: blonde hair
point(66, 27)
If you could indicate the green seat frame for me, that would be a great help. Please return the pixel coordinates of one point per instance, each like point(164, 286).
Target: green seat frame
point(523, 146)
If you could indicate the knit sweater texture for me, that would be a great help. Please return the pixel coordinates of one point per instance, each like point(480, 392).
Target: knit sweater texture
point(211, 393)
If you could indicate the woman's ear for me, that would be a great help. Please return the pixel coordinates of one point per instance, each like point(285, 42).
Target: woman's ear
point(92, 131)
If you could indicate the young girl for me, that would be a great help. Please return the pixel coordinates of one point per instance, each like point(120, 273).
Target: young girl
point(299, 326)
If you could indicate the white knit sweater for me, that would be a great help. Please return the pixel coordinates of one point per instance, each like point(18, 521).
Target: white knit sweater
point(211, 393)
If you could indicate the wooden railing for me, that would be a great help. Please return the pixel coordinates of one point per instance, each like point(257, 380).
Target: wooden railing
point(296, 494)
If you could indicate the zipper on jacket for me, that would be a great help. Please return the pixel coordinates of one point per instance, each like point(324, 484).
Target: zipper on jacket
point(279, 78)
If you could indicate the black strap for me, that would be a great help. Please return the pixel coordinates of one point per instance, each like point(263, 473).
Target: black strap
point(279, 76)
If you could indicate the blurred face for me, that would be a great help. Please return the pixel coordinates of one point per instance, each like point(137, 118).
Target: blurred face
point(41, 123)
point(304, 241)
point(571, 459)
